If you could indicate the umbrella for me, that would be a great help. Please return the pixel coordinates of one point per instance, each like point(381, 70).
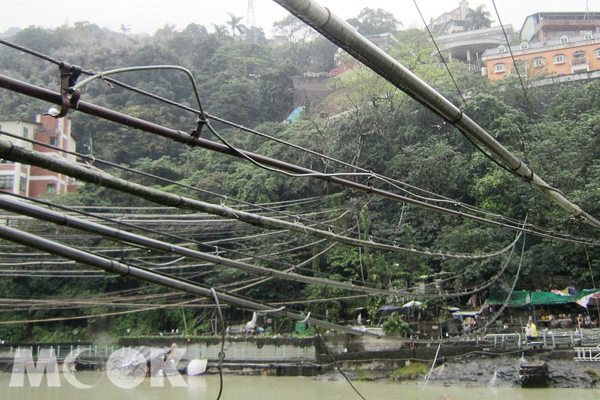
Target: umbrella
point(590, 299)
point(412, 303)
point(388, 309)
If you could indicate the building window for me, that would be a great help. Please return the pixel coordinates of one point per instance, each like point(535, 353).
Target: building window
point(597, 53)
point(26, 133)
point(564, 39)
point(580, 60)
point(500, 67)
point(560, 59)
point(539, 62)
point(501, 49)
point(588, 36)
point(53, 141)
point(519, 67)
point(524, 45)
point(23, 184)
point(6, 181)
point(50, 188)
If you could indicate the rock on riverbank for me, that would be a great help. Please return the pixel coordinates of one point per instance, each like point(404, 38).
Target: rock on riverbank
point(477, 371)
point(504, 371)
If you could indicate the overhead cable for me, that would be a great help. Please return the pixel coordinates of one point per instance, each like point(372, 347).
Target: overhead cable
point(72, 222)
point(125, 270)
point(344, 35)
point(182, 137)
point(12, 152)
point(92, 159)
point(12, 205)
point(238, 152)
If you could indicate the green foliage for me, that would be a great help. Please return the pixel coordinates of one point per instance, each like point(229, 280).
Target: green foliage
point(58, 334)
point(374, 22)
point(592, 373)
point(366, 122)
point(478, 18)
point(410, 371)
point(395, 325)
point(12, 333)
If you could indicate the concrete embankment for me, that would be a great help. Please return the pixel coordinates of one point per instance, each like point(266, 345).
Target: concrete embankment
point(456, 363)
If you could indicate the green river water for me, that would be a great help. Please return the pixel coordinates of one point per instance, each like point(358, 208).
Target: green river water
point(270, 388)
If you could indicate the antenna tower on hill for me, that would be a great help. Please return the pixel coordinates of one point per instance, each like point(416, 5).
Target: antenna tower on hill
point(250, 22)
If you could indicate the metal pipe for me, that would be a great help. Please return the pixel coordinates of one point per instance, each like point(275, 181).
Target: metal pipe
point(182, 137)
point(344, 35)
point(11, 152)
point(112, 266)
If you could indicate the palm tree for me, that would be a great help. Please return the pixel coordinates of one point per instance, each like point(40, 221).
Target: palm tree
point(221, 32)
point(125, 29)
point(478, 18)
point(236, 25)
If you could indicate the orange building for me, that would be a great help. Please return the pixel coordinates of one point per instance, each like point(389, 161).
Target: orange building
point(561, 56)
point(34, 181)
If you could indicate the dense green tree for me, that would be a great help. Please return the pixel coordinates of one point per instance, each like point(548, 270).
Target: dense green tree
point(375, 22)
point(365, 122)
point(478, 18)
point(235, 24)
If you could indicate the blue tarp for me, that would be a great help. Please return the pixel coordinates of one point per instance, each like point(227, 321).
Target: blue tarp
point(294, 115)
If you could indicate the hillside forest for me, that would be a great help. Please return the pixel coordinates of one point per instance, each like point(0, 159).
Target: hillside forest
point(365, 129)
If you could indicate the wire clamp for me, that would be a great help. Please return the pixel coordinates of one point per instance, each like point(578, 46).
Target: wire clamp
point(70, 97)
point(198, 131)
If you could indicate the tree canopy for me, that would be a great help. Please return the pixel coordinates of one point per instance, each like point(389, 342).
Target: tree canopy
point(478, 18)
point(365, 122)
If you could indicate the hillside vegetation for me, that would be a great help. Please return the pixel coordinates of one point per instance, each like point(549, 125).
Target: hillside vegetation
point(365, 122)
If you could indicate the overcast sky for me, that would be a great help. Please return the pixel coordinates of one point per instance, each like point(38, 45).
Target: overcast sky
point(150, 15)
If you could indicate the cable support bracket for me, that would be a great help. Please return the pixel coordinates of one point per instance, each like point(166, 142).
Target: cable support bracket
point(195, 133)
point(68, 78)
point(228, 209)
point(369, 181)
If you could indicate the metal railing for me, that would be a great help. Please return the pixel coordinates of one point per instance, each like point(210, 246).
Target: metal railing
point(580, 61)
point(234, 351)
point(512, 341)
point(587, 353)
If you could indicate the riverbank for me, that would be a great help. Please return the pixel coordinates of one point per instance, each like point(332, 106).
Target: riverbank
point(479, 370)
point(468, 363)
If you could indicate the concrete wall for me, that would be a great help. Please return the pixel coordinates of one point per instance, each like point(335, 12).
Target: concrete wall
point(310, 91)
point(250, 349)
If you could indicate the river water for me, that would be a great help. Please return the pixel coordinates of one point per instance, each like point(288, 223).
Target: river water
point(267, 388)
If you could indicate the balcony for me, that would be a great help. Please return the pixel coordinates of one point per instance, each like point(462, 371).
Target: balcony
point(473, 68)
point(580, 61)
point(580, 65)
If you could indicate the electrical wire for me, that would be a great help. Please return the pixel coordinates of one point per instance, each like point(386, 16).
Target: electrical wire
point(337, 365)
point(450, 212)
point(65, 208)
point(507, 300)
point(93, 159)
point(441, 56)
point(512, 56)
point(538, 182)
point(474, 142)
point(15, 153)
point(191, 109)
point(104, 74)
point(222, 352)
